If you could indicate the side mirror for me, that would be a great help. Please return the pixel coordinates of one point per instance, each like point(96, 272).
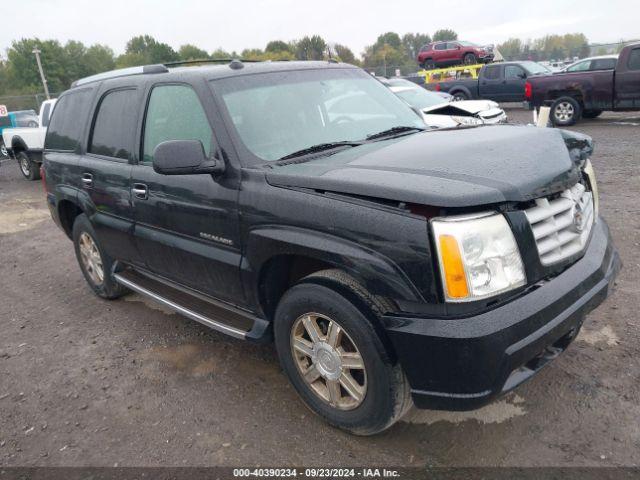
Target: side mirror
point(522, 75)
point(184, 157)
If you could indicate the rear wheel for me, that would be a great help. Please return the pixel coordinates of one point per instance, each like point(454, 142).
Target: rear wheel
point(565, 111)
point(429, 64)
point(95, 264)
point(470, 59)
point(457, 96)
point(336, 361)
point(591, 113)
point(29, 169)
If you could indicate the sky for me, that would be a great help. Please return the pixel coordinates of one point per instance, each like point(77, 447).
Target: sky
point(240, 24)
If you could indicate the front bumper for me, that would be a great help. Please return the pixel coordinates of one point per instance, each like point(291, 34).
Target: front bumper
point(464, 363)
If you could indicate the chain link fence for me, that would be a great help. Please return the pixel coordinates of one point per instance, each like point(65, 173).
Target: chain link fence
point(24, 102)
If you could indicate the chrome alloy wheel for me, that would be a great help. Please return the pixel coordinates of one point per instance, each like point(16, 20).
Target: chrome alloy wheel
point(329, 361)
point(91, 259)
point(564, 112)
point(25, 165)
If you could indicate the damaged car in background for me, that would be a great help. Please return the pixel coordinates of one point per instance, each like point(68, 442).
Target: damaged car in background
point(306, 204)
point(446, 112)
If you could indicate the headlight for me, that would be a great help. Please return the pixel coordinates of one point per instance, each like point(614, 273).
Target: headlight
point(591, 176)
point(478, 256)
point(466, 120)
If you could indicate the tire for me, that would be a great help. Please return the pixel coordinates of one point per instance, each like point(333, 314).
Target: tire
point(565, 111)
point(32, 124)
point(29, 169)
point(381, 392)
point(469, 59)
point(93, 262)
point(591, 113)
point(460, 96)
point(429, 64)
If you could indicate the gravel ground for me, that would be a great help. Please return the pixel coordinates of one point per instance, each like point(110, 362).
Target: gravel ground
point(95, 383)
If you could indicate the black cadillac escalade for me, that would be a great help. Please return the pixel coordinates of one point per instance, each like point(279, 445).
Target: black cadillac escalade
point(304, 203)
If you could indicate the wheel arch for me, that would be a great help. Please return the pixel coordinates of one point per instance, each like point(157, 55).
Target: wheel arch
point(68, 210)
point(278, 257)
point(460, 89)
point(573, 93)
point(18, 144)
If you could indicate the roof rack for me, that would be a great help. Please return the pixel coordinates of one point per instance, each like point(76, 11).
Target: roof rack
point(122, 72)
point(180, 63)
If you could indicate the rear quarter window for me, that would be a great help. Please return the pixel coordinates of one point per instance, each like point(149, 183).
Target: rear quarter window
point(68, 120)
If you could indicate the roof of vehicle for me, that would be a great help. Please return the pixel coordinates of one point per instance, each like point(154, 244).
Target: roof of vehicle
point(212, 71)
point(599, 57)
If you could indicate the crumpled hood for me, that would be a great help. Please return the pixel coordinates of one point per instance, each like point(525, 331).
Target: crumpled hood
point(445, 168)
point(471, 106)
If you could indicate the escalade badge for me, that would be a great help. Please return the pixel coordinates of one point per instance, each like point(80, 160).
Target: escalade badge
point(216, 238)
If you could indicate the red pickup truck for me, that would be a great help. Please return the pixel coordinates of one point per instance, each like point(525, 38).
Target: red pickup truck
point(586, 94)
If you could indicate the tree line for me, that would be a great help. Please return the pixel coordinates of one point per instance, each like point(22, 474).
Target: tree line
point(64, 63)
point(549, 47)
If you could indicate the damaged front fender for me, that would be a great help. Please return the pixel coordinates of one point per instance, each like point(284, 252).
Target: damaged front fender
point(580, 146)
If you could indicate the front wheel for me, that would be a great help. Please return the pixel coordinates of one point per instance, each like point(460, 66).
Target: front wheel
point(565, 111)
point(470, 59)
point(29, 169)
point(429, 64)
point(336, 361)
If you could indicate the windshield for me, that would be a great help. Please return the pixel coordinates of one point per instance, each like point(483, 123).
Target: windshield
point(467, 44)
point(420, 98)
point(535, 68)
point(279, 113)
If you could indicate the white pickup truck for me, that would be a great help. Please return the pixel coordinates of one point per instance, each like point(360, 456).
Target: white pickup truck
point(26, 144)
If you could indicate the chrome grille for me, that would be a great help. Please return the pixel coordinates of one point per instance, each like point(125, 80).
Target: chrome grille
point(561, 226)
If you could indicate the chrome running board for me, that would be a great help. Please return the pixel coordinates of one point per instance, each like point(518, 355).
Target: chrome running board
point(238, 324)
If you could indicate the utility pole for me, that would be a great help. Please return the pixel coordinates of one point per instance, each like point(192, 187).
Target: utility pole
point(36, 51)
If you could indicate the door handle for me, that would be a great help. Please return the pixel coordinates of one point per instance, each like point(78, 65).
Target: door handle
point(87, 180)
point(140, 190)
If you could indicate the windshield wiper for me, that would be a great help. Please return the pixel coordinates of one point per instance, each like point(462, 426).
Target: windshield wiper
point(321, 147)
point(394, 131)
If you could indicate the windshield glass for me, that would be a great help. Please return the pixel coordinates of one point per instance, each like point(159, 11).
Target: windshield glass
point(467, 44)
point(534, 67)
point(420, 98)
point(278, 113)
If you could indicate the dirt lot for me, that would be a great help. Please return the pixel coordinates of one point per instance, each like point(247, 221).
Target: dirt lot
point(89, 382)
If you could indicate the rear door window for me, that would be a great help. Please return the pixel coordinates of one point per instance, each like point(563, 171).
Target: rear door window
point(634, 59)
point(174, 113)
point(440, 46)
point(68, 120)
point(603, 64)
point(492, 72)
point(114, 125)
